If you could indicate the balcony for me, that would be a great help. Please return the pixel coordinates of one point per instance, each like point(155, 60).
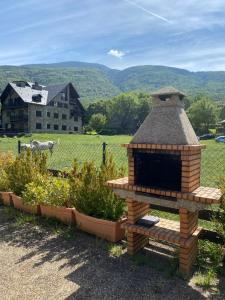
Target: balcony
point(18, 118)
point(13, 104)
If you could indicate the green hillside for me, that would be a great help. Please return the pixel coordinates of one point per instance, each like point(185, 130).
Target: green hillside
point(96, 81)
point(91, 83)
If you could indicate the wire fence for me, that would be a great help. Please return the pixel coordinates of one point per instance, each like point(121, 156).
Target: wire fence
point(212, 163)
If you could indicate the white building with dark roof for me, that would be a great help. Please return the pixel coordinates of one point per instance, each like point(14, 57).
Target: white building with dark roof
point(30, 107)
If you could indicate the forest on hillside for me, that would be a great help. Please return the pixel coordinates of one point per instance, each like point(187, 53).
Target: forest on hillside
point(95, 82)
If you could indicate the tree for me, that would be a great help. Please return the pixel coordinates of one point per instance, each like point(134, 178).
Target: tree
point(97, 122)
point(144, 107)
point(124, 113)
point(222, 113)
point(202, 114)
point(188, 101)
point(99, 107)
point(127, 111)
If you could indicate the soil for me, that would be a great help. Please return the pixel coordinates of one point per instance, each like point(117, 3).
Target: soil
point(38, 263)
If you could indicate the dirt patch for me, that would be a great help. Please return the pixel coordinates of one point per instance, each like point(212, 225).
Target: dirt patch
point(37, 263)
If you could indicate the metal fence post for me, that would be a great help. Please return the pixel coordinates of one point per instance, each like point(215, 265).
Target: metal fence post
point(19, 147)
point(104, 153)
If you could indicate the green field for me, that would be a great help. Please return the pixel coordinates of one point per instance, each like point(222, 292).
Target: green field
point(68, 147)
point(87, 147)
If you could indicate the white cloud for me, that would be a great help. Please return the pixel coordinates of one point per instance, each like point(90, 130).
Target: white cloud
point(116, 53)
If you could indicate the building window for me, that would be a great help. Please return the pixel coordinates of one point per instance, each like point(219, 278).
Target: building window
point(63, 96)
point(65, 105)
point(64, 116)
point(38, 126)
point(48, 114)
point(75, 128)
point(64, 127)
point(56, 115)
point(75, 118)
point(56, 127)
point(38, 113)
point(48, 126)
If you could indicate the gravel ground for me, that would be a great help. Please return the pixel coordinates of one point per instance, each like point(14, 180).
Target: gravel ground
point(36, 263)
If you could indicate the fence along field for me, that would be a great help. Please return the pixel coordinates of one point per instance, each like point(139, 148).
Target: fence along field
point(90, 148)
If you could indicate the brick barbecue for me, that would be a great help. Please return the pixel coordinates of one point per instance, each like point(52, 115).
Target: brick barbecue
point(164, 159)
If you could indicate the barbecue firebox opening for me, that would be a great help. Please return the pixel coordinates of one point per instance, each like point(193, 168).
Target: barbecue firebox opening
point(157, 170)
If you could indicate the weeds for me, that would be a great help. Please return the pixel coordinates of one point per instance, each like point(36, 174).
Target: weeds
point(115, 250)
point(205, 280)
point(18, 219)
point(23, 219)
point(209, 262)
point(69, 233)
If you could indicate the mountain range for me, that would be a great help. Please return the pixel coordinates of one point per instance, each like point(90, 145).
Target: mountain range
point(96, 81)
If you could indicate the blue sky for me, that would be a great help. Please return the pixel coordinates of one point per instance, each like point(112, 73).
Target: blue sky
point(118, 33)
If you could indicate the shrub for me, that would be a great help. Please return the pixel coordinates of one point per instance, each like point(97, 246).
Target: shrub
point(219, 215)
point(209, 256)
point(57, 192)
point(25, 169)
point(35, 192)
point(97, 122)
point(6, 160)
point(219, 220)
point(47, 190)
point(89, 193)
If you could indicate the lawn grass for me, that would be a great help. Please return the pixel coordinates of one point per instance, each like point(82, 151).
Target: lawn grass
point(175, 217)
point(89, 147)
point(68, 147)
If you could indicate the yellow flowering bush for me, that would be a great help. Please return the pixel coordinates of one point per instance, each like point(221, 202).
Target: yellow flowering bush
point(47, 190)
point(25, 169)
point(6, 160)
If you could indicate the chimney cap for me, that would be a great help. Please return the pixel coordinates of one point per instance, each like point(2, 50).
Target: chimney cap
point(168, 91)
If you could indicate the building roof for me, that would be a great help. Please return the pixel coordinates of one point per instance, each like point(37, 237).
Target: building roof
point(54, 90)
point(28, 90)
point(167, 91)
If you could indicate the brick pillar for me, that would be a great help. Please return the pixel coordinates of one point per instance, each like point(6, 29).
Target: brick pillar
point(188, 248)
point(130, 166)
point(188, 222)
point(191, 163)
point(187, 256)
point(136, 210)
point(135, 242)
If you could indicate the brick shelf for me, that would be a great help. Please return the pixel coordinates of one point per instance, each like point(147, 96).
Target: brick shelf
point(165, 230)
point(206, 195)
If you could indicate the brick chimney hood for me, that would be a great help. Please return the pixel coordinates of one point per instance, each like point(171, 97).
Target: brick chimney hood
point(167, 123)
